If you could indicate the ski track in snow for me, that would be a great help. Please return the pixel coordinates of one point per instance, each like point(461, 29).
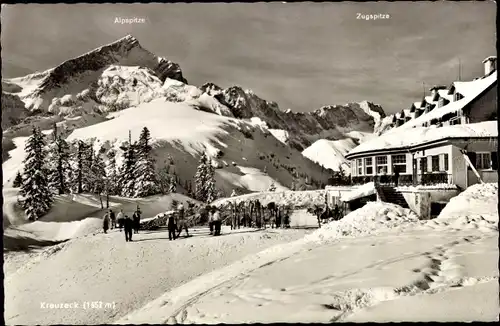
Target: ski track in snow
point(442, 274)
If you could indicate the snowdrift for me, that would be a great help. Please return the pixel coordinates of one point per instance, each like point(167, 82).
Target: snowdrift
point(372, 218)
point(476, 207)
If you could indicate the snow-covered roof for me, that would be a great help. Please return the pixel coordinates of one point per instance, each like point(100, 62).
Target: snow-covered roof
point(406, 138)
point(470, 90)
point(365, 190)
point(491, 57)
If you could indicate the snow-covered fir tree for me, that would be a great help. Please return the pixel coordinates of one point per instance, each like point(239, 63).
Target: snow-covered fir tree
point(272, 187)
point(88, 162)
point(147, 182)
point(127, 172)
point(200, 179)
point(211, 189)
point(173, 185)
point(164, 179)
point(234, 193)
point(111, 174)
point(204, 179)
point(80, 165)
point(98, 175)
point(18, 180)
point(60, 168)
point(35, 187)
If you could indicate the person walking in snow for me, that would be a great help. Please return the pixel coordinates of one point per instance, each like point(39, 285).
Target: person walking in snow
point(211, 220)
point(172, 227)
point(217, 221)
point(137, 221)
point(112, 217)
point(128, 224)
point(120, 218)
point(105, 223)
point(182, 223)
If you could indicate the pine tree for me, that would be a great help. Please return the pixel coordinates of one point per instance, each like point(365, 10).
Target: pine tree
point(147, 182)
point(272, 187)
point(205, 189)
point(18, 181)
point(234, 193)
point(200, 179)
point(98, 175)
point(35, 188)
point(111, 175)
point(88, 162)
point(211, 189)
point(60, 167)
point(164, 179)
point(127, 173)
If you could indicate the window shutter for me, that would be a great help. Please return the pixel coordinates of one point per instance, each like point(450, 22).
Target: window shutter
point(494, 160)
point(472, 158)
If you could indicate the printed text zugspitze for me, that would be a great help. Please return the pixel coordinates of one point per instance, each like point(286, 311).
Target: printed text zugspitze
point(372, 16)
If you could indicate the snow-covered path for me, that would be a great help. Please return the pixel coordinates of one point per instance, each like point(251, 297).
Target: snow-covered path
point(419, 275)
point(107, 269)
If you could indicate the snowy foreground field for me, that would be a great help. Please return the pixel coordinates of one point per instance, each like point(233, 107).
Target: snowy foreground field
point(379, 263)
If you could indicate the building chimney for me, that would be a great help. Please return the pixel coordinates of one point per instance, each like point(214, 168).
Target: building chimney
point(490, 65)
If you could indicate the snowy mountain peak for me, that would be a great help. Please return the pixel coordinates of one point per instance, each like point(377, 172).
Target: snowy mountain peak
point(76, 74)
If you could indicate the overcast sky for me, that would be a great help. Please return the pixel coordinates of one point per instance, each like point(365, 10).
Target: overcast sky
point(301, 55)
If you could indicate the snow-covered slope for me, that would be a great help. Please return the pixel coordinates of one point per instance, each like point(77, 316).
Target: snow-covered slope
point(330, 153)
point(180, 130)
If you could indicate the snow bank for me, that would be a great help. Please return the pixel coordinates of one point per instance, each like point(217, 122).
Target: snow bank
point(367, 189)
point(401, 138)
point(476, 207)
point(372, 218)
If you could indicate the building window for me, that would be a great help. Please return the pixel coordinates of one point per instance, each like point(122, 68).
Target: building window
point(483, 161)
point(360, 166)
point(457, 97)
point(369, 165)
point(445, 162)
point(435, 163)
point(381, 164)
point(423, 165)
point(399, 162)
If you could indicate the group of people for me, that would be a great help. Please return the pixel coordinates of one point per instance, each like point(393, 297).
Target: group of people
point(176, 223)
point(130, 224)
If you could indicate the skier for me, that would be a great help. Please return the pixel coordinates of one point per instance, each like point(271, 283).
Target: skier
point(128, 224)
point(113, 219)
point(182, 223)
point(210, 219)
point(172, 227)
point(137, 221)
point(217, 221)
point(105, 222)
point(119, 219)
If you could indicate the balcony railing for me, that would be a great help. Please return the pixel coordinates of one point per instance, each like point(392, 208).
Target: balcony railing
point(405, 179)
